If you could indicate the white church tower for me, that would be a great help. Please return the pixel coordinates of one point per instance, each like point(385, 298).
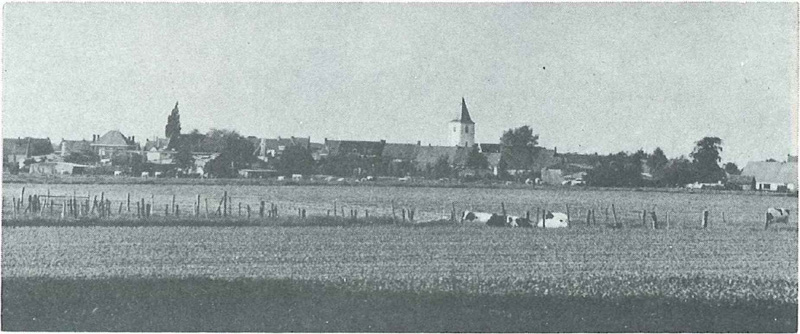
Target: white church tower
point(462, 131)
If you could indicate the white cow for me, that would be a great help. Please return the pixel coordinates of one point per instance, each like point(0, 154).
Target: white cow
point(777, 215)
point(117, 172)
point(554, 220)
point(145, 174)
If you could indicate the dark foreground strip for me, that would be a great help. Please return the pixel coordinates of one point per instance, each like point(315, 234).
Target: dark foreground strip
point(261, 305)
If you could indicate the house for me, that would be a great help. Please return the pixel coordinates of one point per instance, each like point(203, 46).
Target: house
point(427, 156)
point(552, 176)
point(57, 168)
point(401, 152)
point(17, 150)
point(112, 143)
point(156, 152)
point(68, 147)
point(772, 176)
point(266, 148)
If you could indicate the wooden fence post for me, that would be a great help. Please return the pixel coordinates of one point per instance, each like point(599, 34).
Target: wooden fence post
point(503, 208)
point(704, 219)
point(644, 218)
point(261, 210)
point(128, 200)
point(569, 224)
point(614, 211)
point(248, 211)
point(655, 219)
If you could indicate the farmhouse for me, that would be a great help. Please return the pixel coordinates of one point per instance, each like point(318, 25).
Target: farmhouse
point(17, 150)
point(111, 144)
point(57, 168)
point(773, 176)
point(156, 151)
point(266, 148)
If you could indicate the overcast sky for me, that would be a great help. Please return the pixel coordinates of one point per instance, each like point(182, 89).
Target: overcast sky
point(587, 77)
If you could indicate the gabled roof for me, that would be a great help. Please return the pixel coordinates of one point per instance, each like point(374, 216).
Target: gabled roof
point(400, 151)
point(113, 138)
point(29, 146)
point(465, 119)
point(772, 172)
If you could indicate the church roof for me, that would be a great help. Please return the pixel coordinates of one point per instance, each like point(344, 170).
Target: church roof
point(465, 119)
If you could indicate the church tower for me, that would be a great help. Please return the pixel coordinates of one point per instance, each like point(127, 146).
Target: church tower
point(462, 130)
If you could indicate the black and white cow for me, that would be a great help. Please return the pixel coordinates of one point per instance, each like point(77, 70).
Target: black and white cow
point(554, 220)
point(493, 219)
point(777, 215)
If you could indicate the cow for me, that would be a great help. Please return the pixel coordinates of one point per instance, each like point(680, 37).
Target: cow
point(480, 217)
point(117, 173)
point(145, 174)
point(777, 215)
point(554, 220)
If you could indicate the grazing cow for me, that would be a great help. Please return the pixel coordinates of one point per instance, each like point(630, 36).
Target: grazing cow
point(145, 174)
point(777, 215)
point(497, 220)
point(157, 174)
point(117, 172)
point(480, 217)
point(554, 220)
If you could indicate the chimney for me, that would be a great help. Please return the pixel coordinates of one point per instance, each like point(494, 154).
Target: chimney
point(133, 139)
point(63, 148)
point(93, 138)
point(419, 143)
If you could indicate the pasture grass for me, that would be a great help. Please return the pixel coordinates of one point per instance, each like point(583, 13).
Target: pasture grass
point(209, 221)
point(284, 305)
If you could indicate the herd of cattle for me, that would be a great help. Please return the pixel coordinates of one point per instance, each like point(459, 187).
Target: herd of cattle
point(560, 220)
point(550, 220)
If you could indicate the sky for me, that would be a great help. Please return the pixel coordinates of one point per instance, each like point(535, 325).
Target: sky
point(590, 77)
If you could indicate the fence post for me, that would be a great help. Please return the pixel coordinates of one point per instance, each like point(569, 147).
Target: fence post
point(644, 218)
point(149, 210)
point(704, 218)
point(655, 219)
point(503, 208)
point(177, 210)
point(173, 202)
point(568, 217)
point(240, 209)
point(588, 217)
point(394, 217)
point(138, 210)
point(404, 214)
point(120, 208)
point(614, 211)
point(206, 207)
point(128, 200)
point(261, 210)
point(166, 210)
point(248, 211)
point(225, 203)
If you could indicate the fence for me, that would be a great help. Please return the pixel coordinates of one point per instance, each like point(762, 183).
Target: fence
point(587, 214)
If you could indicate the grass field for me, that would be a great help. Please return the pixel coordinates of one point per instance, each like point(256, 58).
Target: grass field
point(398, 278)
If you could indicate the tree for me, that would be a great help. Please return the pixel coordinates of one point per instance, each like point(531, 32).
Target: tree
point(706, 157)
point(442, 167)
point(295, 160)
point(657, 161)
point(521, 136)
point(173, 128)
point(732, 169)
point(679, 172)
point(184, 158)
point(617, 170)
point(476, 160)
point(236, 153)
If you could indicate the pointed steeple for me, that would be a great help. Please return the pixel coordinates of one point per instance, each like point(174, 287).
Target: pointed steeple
point(464, 113)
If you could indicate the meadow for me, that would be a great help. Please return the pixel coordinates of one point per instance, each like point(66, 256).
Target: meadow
point(231, 275)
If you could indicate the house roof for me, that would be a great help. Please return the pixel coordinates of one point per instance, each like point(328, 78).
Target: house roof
point(400, 151)
point(364, 148)
point(772, 172)
point(465, 119)
point(428, 155)
point(113, 138)
point(69, 146)
point(28, 146)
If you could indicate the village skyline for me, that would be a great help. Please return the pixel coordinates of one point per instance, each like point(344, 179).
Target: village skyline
point(601, 78)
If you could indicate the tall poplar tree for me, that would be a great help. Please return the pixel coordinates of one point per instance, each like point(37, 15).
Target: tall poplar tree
point(173, 128)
